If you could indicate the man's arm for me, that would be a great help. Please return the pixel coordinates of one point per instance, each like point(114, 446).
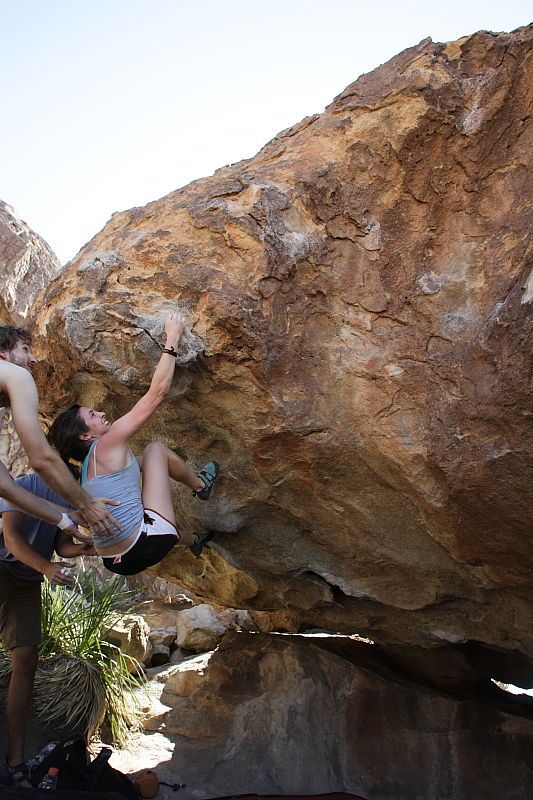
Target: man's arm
point(26, 501)
point(13, 530)
point(45, 461)
point(23, 398)
point(23, 495)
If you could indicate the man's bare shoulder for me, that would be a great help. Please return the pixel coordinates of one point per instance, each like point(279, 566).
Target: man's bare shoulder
point(13, 377)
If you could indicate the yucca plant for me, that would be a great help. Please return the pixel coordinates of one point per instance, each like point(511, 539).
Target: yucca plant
point(70, 691)
point(82, 679)
point(5, 666)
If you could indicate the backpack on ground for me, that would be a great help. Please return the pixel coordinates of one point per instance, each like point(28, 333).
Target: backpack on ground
point(69, 756)
point(100, 776)
point(77, 771)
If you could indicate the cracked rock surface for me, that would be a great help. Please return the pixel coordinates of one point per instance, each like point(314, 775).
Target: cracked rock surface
point(359, 296)
point(27, 265)
point(278, 715)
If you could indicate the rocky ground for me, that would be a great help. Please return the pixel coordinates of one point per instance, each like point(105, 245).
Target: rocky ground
point(153, 751)
point(305, 713)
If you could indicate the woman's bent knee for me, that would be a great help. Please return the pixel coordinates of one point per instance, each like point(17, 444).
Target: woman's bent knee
point(154, 447)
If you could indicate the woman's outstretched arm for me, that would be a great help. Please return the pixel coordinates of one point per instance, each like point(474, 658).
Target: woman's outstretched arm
point(123, 429)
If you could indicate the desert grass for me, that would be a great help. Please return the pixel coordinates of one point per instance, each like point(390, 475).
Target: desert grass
point(84, 681)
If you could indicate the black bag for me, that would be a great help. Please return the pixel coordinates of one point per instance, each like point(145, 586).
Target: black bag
point(101, 777)
point(77, 771)
point(69, 756)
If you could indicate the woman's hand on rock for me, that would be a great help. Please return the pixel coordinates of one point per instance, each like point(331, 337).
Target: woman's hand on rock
point(174, 327)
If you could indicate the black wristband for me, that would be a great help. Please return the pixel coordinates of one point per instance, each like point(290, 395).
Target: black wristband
point(170, 351)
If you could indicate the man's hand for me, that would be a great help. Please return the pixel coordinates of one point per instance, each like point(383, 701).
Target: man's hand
point(57, 571)
point(97, 518)
point(76, 535)
point(79, 519)
point(75, 516)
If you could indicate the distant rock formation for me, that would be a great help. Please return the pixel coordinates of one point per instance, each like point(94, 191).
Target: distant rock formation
point(27, 264)
point(359, 296)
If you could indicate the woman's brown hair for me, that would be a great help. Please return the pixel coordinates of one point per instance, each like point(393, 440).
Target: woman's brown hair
point(64, 435)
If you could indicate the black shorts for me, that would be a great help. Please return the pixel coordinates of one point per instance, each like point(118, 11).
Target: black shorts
point(155, 542)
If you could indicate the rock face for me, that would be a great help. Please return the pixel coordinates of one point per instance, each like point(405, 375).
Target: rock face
point(358, 296)
point(131, 633)
point(27, 264)
point(271, 715)
point(11, 452)
point(200, 628)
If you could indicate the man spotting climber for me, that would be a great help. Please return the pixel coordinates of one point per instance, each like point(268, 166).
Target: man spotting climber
point(30, 541)
point(27, 546)
point(18, 390)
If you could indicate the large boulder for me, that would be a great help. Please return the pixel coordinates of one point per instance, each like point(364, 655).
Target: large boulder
point(358, 297)
point(132, 635)
point(277, 715)
point(199, 628)
point(163, 636)
point(202, 627)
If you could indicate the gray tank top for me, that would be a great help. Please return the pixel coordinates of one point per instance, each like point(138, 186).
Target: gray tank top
point(124, 486)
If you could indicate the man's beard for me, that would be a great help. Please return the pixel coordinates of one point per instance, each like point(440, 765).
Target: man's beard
point(19, 363)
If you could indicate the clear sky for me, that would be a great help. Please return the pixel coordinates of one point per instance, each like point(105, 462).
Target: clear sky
point(108, 104)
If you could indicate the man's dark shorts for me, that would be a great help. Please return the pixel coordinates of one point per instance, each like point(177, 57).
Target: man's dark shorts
point(20, 611)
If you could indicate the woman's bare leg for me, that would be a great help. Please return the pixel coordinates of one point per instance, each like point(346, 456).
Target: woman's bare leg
point(179, 471)
point(158, 466)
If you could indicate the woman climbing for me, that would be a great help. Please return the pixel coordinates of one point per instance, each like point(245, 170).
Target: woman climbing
point(109, 469)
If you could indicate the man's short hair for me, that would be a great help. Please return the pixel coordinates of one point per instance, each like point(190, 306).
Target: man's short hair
point(10, 336)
